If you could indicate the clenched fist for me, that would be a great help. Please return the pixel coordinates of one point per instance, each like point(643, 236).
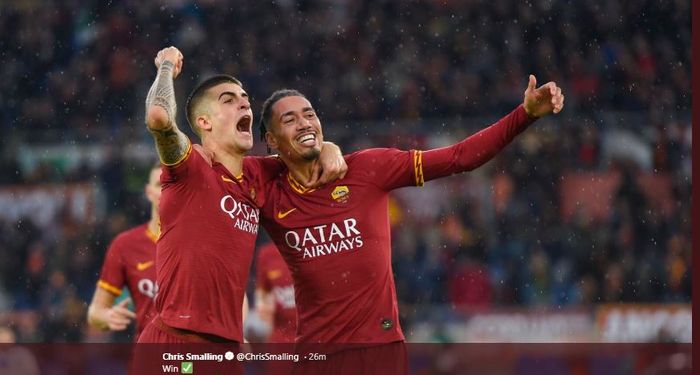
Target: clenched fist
point(173, 55)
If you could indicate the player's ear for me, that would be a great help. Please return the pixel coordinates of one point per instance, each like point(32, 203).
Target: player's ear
point(203, 122)
point(271, 140)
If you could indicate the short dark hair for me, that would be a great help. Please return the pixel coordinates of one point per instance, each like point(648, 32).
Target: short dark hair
point(198, 93)
point(266, 111)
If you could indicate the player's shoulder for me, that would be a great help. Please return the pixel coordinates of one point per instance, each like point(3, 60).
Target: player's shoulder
point(136, 233)
point(261, 170)
point(257, 162)
point(196, 154)
point(196, 159)
point(206, 155)
point(371, 155)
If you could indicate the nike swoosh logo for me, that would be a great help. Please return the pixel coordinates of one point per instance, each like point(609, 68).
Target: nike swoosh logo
point(226, 179)
point(282, 215)
point(144, 265)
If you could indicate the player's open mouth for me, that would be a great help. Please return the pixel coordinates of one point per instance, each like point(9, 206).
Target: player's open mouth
point(308, 139)
point(244, 124)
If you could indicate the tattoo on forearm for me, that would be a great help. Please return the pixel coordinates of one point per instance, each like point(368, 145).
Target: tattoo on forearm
point(162, 92)
point(171, 144)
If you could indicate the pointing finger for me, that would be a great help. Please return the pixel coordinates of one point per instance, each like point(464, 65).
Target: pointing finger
point(124, 312)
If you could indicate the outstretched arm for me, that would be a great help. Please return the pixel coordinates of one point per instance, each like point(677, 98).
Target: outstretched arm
point(481, 147)
point(161, 109)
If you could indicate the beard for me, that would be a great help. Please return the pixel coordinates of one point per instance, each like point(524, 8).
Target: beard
point(312, 154)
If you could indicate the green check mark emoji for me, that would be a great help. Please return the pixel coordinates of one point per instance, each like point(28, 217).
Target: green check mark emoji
point(187, 368)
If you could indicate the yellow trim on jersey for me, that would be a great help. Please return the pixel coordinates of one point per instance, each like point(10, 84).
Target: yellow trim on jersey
point(109, 287)
point(182, 159)
point(239, 178)
point(296, 186)
point(153, 236)
point(418, 167)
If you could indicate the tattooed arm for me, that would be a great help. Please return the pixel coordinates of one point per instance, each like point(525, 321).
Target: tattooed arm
point(171, 143)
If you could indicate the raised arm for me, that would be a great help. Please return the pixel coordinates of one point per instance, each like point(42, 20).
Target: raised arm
point(481, 147)
point(161, 109)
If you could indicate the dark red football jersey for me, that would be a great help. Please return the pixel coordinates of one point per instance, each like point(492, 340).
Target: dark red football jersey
point(336, 242)
point(208, 228)
point(272, 276)
point(336, 239)
point(130, 262)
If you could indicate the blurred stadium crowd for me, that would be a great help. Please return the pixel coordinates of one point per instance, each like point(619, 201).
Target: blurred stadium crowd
point(383, 73)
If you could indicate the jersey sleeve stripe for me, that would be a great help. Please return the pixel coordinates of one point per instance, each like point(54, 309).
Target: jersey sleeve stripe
point(109, 287)
point(418, 167)
point(183, 158)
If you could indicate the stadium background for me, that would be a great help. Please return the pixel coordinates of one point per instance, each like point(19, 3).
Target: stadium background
point(579, 231)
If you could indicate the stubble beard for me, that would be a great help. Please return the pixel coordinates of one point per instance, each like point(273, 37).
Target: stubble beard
point(311, 155)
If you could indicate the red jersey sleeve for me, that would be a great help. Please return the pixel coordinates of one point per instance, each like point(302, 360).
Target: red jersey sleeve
point(392, 168)
point(259, 172)
point(265, 168)
point(112, 276)
point(475, 150)
point(387, 168)
point(176, 171)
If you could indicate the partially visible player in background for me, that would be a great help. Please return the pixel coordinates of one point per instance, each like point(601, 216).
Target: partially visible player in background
point(274, 295)
point(130, 262)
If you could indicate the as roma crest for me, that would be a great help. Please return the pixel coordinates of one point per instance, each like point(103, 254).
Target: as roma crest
point(341, 194)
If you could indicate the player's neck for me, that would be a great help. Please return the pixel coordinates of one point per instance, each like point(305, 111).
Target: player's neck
point(233, 161)
point(301, 170)
point(154, 223)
